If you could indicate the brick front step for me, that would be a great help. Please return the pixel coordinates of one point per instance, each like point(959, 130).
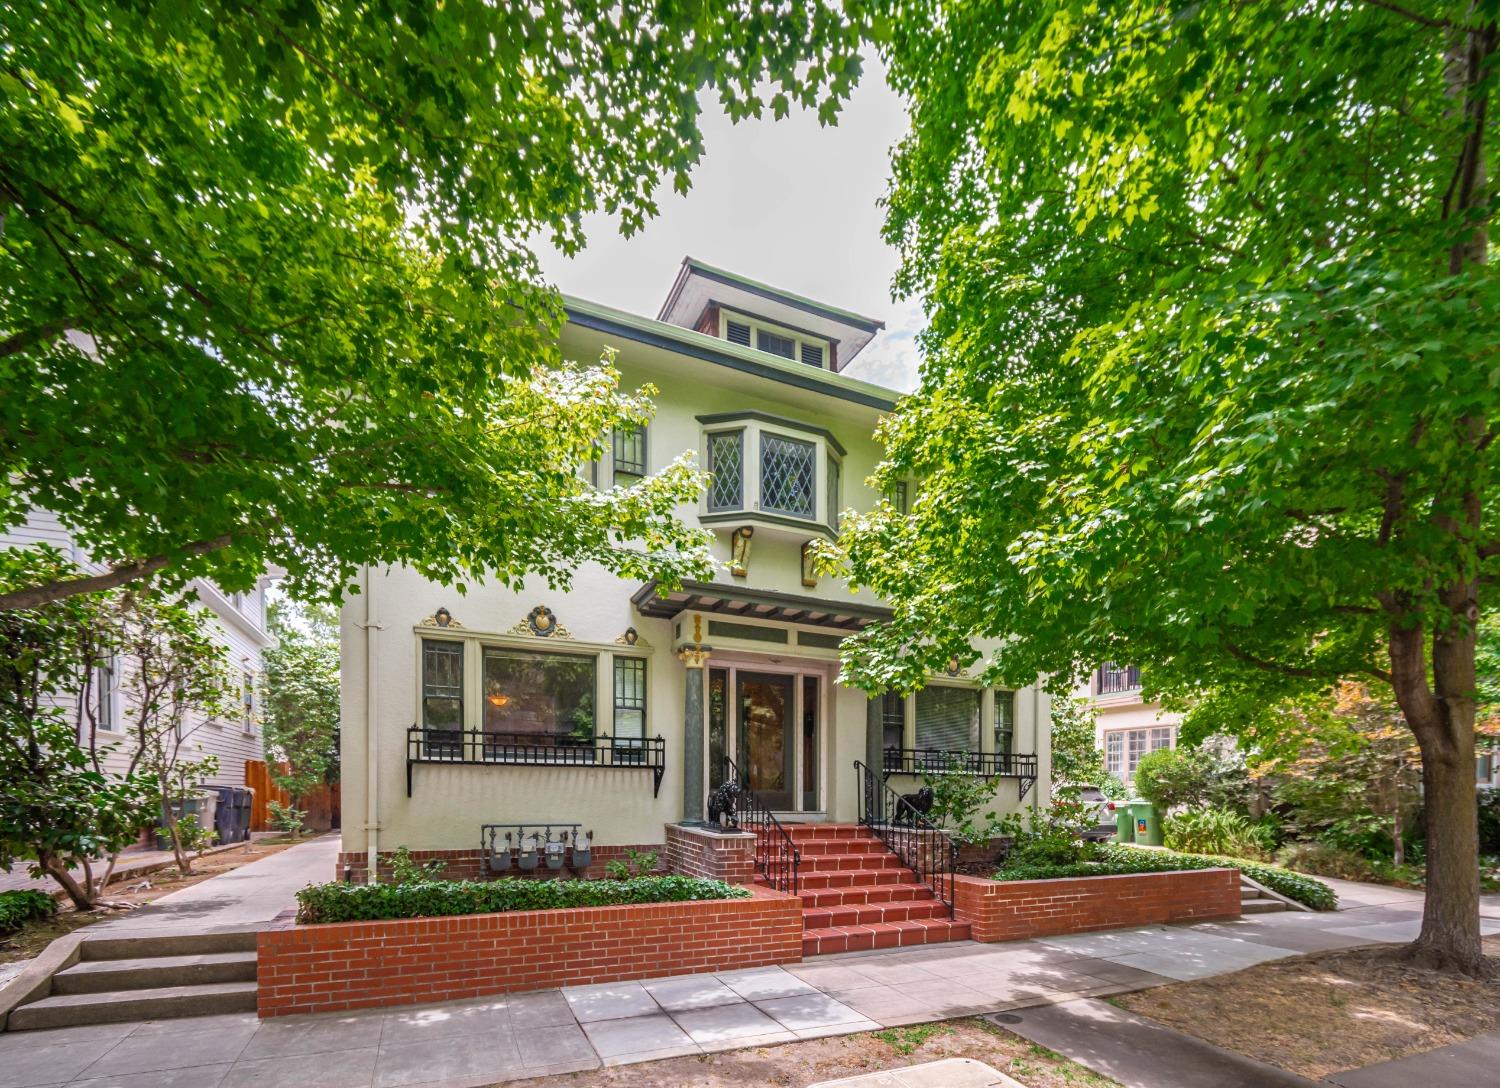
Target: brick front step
point(879, 893)
point(822, 942)
point(831, 863)
point(872, 913)
point(808, 832)
point(854, 878)
point(810, 848)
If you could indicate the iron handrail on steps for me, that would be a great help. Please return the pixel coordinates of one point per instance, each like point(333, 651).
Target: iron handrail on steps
point(776, 856)
point(922, 846)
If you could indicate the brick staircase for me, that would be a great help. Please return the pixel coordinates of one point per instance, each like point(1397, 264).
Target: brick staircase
point(856, 894)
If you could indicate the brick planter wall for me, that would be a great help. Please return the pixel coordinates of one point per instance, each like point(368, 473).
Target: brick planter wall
point(719, 855)
point(472, 864)
point(1013, 910)
point(354, 965)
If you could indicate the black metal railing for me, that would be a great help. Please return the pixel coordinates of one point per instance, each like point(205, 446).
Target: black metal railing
point(777, 858)
point(478, 747)
point(1117, 679)
point(922, 846)
point(983, 764)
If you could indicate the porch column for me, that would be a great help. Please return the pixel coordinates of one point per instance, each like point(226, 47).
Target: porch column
point(874, 753)
point(694, 658)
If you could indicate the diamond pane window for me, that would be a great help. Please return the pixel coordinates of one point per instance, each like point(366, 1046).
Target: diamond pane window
point(833, 492)
point(787, 470)
point(726, 467)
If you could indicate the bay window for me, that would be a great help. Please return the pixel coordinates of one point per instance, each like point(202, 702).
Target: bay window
point(784, 471)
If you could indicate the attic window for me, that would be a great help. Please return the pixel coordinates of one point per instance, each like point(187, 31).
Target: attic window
point(784, 346)
point(778, 340)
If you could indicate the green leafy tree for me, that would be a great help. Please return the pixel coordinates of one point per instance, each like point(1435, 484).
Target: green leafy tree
point(265, 296)
point(64, 811)
point(1076, 759)
point(1173, 777)
point(1209, 380)
point(300, 720)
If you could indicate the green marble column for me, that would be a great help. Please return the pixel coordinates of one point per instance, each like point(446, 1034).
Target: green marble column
point(693, 704)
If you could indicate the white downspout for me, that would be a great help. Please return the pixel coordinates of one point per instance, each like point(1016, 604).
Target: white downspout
point(1036, 746)
point(372, 627)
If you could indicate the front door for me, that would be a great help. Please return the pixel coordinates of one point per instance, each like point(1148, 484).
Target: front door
point(767, 744)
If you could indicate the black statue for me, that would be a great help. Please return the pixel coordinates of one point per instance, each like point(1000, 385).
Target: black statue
point(919, 803)
point(724, 803)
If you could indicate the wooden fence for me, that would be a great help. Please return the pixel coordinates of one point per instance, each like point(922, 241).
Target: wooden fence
point(321, 805)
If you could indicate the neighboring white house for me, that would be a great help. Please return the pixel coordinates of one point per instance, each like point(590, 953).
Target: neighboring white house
point(1125, 726)
point(240, 625)
point(613, 707)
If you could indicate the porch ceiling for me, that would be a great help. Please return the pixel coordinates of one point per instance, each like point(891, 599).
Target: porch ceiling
point(756, 604)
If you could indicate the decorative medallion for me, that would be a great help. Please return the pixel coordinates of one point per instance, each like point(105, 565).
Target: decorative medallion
point(541, 621)
point(954, 668)
point(632, 637)
point(441, 618)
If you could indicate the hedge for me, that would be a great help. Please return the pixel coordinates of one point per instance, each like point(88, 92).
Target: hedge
point(1118, 860)
point(27, 905)
point(340, 902)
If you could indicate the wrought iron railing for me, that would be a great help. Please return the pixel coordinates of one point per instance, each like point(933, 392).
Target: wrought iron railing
point(478, 747)
point(921, 845)
point(1117, 679)
point(983, 764)
point(777, 858)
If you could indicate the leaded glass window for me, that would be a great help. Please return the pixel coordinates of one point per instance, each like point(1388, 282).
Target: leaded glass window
point(787, 475)
point(630, 452)
point(833, 493)
point(726, 467)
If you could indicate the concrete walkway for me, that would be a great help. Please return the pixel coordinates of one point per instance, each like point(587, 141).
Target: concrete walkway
point(1473, 1062)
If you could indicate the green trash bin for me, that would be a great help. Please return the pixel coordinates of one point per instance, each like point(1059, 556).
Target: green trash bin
point(1124, 822)
point(1147, 825)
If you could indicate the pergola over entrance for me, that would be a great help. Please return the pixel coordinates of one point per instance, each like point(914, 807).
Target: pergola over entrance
point(756, 604)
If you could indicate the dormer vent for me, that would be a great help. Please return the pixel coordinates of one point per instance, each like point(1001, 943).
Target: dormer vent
point(737, 332)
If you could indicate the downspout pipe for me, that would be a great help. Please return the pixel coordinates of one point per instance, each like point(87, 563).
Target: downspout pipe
point(372, 627)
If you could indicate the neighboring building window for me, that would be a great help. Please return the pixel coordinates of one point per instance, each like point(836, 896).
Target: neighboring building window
point(897, 497)
point(948, 718)
point(1484, 768)
point(442, 684)
point(726, 467)
point(787, 475)
point(833, 492)
point(549, 695)
point(630, 697)
point(104, 696)
point(630, 453)
point(893, 720)
point(1115, 679)
point(247, 701)
point(1005, 721)
point(1123, 748)
point(784, 346)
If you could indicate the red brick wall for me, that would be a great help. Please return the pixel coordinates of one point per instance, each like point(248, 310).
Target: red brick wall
point(694, 851)
point(472, 865)
point(354, 965)
point(1013, 910)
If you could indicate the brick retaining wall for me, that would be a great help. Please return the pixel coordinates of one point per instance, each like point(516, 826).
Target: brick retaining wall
point(1013, 910)
point(718, 855)
point(352, 965)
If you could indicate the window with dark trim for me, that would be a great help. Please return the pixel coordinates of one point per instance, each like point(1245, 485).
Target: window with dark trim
point(784, 346)
point(1005, 721)
point(548, 697)
point(442, 684)
point(629, 453)
point(948, 718)
point(833, 492)
point(786, 475)
point(893, 720)
point(726, 470)
point(630, 697)
point(809, 743)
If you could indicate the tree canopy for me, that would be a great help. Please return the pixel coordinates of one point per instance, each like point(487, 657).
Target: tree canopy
point(1211, 373)
point(264, 291)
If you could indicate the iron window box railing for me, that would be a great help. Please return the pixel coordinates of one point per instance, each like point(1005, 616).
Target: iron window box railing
point(982, 764)
point(1114, 680)
point(481, 748)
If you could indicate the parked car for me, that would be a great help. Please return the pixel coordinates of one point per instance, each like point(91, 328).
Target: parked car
point(1102, 808)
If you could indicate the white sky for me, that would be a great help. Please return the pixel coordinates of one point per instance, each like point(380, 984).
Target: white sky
point(789, 203)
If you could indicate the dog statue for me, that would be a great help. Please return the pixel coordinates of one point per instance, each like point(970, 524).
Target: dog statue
point(914, 804)
point(724, 802)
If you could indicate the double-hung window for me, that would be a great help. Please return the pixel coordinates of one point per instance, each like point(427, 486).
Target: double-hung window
point(630, 702)
point(1123, 748)
point(442, 685)
point(629, 454)
point(247, 701)
point(104, 696)
point(1005, 722)
point(947, 721)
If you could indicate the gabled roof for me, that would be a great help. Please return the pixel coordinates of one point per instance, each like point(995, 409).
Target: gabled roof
point(699, 285)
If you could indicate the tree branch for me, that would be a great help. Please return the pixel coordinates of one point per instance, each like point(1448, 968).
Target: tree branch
point(1415, 16)
point(124, 574)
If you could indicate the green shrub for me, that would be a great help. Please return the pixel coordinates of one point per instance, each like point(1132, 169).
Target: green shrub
point(26, 905)
point(1218, 831)
point(1169, 777)
point(339, 902)
point(1489, 821)
point(1117, 860)
point(1324, 859)
point(405, 870)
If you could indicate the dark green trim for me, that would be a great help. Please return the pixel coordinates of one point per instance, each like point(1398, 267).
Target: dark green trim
point(809, 381)
point(823, 338)
point(721, 517)
point(796, 302)
point(771, 597)
point(781, 421)
point(748, 632)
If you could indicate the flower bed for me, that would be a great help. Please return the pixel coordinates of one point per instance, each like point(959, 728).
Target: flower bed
point(335, 966)
point(1013, 910)
point(339, 902)
point(1113, 859)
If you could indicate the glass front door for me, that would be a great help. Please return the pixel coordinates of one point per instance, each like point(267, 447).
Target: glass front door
point(767, 742)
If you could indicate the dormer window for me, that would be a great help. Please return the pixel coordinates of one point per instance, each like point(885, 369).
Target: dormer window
point(789, 343)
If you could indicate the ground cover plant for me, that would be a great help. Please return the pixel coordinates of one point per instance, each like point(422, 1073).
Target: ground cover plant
point(24, 905)
point(341, 902)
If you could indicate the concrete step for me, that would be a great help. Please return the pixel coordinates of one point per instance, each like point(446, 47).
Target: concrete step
point(154, 972)
point(179, 944)
point(1261, 906)
point(116, 1006)
point(822, 942)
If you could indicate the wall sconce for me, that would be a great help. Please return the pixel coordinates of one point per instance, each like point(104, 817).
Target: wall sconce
point(739, 551)
point(809, 572)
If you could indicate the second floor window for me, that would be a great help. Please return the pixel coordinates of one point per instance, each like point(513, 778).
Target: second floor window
point(629, 450)
point(726, 467)
point(787, 475)
point(833, 492)
point(1116, 679)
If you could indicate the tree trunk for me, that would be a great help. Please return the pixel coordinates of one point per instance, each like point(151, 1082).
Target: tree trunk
point(1450, 938)
point(80, 892)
